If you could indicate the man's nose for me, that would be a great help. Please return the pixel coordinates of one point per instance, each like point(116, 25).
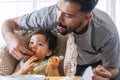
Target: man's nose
point(60, 16)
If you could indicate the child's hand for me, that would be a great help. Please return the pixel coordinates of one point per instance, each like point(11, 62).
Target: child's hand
point(53, 62)
point(28, 64)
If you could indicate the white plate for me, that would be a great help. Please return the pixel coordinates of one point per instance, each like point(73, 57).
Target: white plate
point(23, 77)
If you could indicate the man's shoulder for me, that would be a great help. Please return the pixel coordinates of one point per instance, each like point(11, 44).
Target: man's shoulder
point(100, 15)
point(47, 15)
point(50, 9)
point(102, 20)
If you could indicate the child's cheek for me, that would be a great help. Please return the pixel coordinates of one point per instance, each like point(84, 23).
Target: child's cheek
point(39, 53)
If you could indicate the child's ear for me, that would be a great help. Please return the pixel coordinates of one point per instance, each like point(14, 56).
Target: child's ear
point(49, 53)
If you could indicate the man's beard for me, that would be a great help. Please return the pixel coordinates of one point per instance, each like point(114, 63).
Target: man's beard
point(66, 31)
point(54, 25)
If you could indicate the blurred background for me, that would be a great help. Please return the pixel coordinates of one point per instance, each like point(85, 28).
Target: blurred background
point(14, 8)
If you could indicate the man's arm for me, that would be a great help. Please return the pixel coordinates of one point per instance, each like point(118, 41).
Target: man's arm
point(106, 73)
point(16, 45)
point(8, 28)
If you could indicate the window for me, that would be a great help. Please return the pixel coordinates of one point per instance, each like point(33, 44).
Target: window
point(13, 8)
point(112, 8)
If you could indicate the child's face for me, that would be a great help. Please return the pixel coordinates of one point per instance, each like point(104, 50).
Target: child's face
point(39, 46)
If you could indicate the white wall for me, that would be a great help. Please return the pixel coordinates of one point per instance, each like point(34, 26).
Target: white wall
point(13, 8)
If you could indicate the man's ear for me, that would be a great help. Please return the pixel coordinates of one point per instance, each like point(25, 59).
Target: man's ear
point(84, 22)
point(88, 16)
point(49, 52)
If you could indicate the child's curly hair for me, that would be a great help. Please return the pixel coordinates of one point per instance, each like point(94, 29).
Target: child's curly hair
point(51, 38)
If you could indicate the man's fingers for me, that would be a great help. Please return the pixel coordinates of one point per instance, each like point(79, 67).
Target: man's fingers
point(18, 55)
point(101, 71)
point(26, 51)
point(104, 73)
point(96, 77)
point(15, 56)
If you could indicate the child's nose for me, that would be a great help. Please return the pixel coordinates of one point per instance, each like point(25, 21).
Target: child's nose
point(34, 48)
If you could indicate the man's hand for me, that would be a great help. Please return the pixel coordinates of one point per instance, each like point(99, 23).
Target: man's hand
point(97, 77)
point(16, 46)
point(100, 73)
point(18, 49)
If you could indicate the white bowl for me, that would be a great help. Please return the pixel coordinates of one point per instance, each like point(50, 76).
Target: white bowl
point(23, 77)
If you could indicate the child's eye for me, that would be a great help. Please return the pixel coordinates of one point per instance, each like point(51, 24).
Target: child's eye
point(40, 44)
point(31, 42)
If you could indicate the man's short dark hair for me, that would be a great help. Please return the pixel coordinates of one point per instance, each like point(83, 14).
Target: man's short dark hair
point(86, 5)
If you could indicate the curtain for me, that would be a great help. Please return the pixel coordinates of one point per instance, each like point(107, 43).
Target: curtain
point(112, 7)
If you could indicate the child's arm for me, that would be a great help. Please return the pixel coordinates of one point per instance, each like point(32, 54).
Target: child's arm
point(26, 67)
point(53, 64)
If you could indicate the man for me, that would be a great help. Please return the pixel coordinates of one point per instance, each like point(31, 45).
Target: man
point(95, 34)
